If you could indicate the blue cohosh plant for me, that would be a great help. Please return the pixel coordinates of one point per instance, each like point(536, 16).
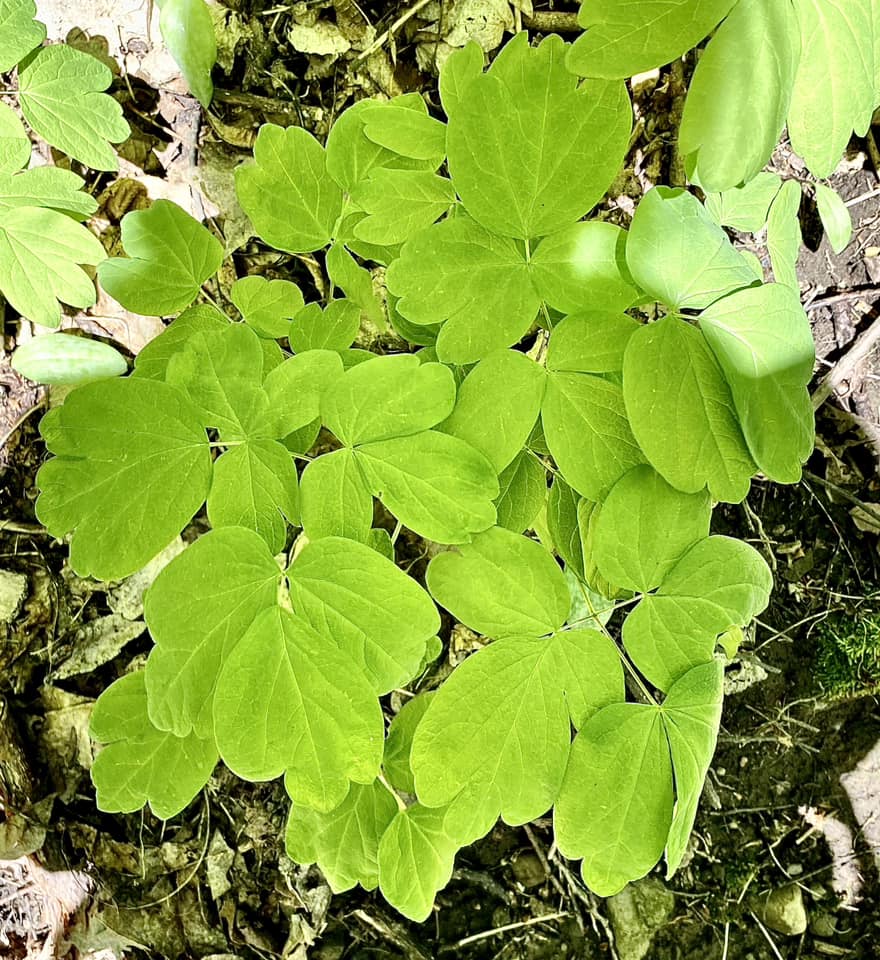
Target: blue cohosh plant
point(537, 403)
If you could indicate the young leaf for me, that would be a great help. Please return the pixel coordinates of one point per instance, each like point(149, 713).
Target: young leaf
point(584, 268)
point(288, 700)
point(398, 744)
point(562, 523)
point(127, 489)
point(497, 406)
point(745, 208)
point(762, 340)
point(335, 498)
point(743, 81)
point(59, 91)
point(19, 32)
point(501, 585)
point(461, 66)
point(331, 329)
point(188, 32)
point(152, 362)
point(587, 432)
point(61, 358)
point(474, 280)
point(40, 251)
point(644, 527)
point(523, 486)
point(615, 806)
point(141, 764)
point(835, 216)
point(354, 281)
point(267, 305)
point(682, 413)
point(47, 187)
point(678, 255)
point(170, 256)
point(344, 842)
point(717, 584)
point(626, 37)
point(590, 342)
point(391, 396)
point(15, 145)
point(197, 609)
point(410, 133)
point(784, 234)
point(375, 613)
point(438, 486)
point(400, 203)
point(287, 192)
point(548, 148)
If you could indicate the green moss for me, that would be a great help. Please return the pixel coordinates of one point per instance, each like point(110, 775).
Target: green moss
point(848, 656)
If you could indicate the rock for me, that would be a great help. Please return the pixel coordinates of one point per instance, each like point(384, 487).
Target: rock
point(528, 869)
point(13, 590)
point(784, 911)
point(637, 913)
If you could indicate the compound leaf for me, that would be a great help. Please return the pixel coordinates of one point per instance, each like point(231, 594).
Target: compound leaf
point(46, 187)
point(170, 256)
point(267, 305)
point(59, 90)
point(745, 208)
point(784, 234)
point(400, 203)
point(141, 764)
point(835, 216)
point(127, 489)
point(590, 342)
point(188, 33)
point(15, 145)
point(335, 498)
point(19, 32)
point(523, 486)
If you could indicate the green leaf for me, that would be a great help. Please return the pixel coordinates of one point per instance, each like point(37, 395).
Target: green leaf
point(717, 584)
point(400, 203)
point(762, 340)
point(743, 82)
point(459, 68)
point(40, 251)
point(373, 611)
point(678, 255)
point(745, 208)
point(615, 806)
point(833, 91)
point(626, 37)
point(61, 358)
point(398, 744)
point(474, 280)
point(188, 33)
point(584, 268)
point(152, 362)
point(438, 486)
point(501, 584)
point(562, 522)
point(19, 32)
point(691, 717)
point(416, 854)
point(333, 328)
point(644, 527)
point(267, 305)
point(297, 387)
point(835, 216)
point(390, 396)
point(50, 187)
point(587, 432)
point(287, 192)
point(784, 234)
point(355, 282)
point(548, 148)
point(255, 486)
point(344, 842)
point(127, 489)
point(170, 256)
point(59, 91)
point(497, 406)
point(336, 500)
point(523, 486)
point(141, 764)
point(682, 413)
point(197, 609)
point(590, 342)
point(288, 700)
point(588, 665)
point(410, 133)
point(15, 145)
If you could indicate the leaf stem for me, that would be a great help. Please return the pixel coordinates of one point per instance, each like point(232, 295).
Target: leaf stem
point(400, 804)
point(396, 533)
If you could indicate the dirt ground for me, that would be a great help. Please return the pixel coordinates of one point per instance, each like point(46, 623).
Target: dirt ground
point(789, 825)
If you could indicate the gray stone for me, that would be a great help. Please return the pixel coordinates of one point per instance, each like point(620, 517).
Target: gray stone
point(784, 911)
point(13, 590)
point(636, 914)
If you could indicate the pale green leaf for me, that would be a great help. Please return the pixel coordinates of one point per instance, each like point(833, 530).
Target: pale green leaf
point(152, 362)
point(60, 358)
point(460, 67)
point(588, 665)
point(335, 498)
point(398, 743)
point(501, 584)
point(170, 256)
point(682, 413)
point(784, 234)
point(333, 328)
point(126, 490)
point(523, 486)
point(15, 145)
point(745, 208)
point(267, 305)
point(139, 763)
point(834, 214)
point(287, 192)
point(531, 151)
point(400, 203)
point(717, 584)
point(288, 700)
point(59, 91)
point(297, 387)
point(678, 255)
point(763, 343)
point(50, 187)
point(590, 342)
point(410, 133)
point(354, 281)
point(40, 254)
point(643, 528)
point(587, 432)
point(438, 486)
point(188, 33)
point(626, 37)
point(197, 609)
point(19, 32)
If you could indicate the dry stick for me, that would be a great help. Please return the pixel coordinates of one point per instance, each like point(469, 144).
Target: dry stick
point(868, 508)
point(510, 926)
point(847, 365)
point(398, 23)
point(767, 936)
point(844, 297)
point(550, 22)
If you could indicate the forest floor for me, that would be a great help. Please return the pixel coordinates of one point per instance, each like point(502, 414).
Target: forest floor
point(788, 832)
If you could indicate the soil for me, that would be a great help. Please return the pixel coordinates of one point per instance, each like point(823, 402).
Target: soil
point(215, 881)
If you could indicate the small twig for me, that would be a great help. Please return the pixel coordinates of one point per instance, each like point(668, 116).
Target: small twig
point(14, 527)
point(551, 22)
point(862, 198)
point(398, 23)
point(847, 365)
point(475, 937)
point(767, 936)
point(844, 297)
point(868, 508)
